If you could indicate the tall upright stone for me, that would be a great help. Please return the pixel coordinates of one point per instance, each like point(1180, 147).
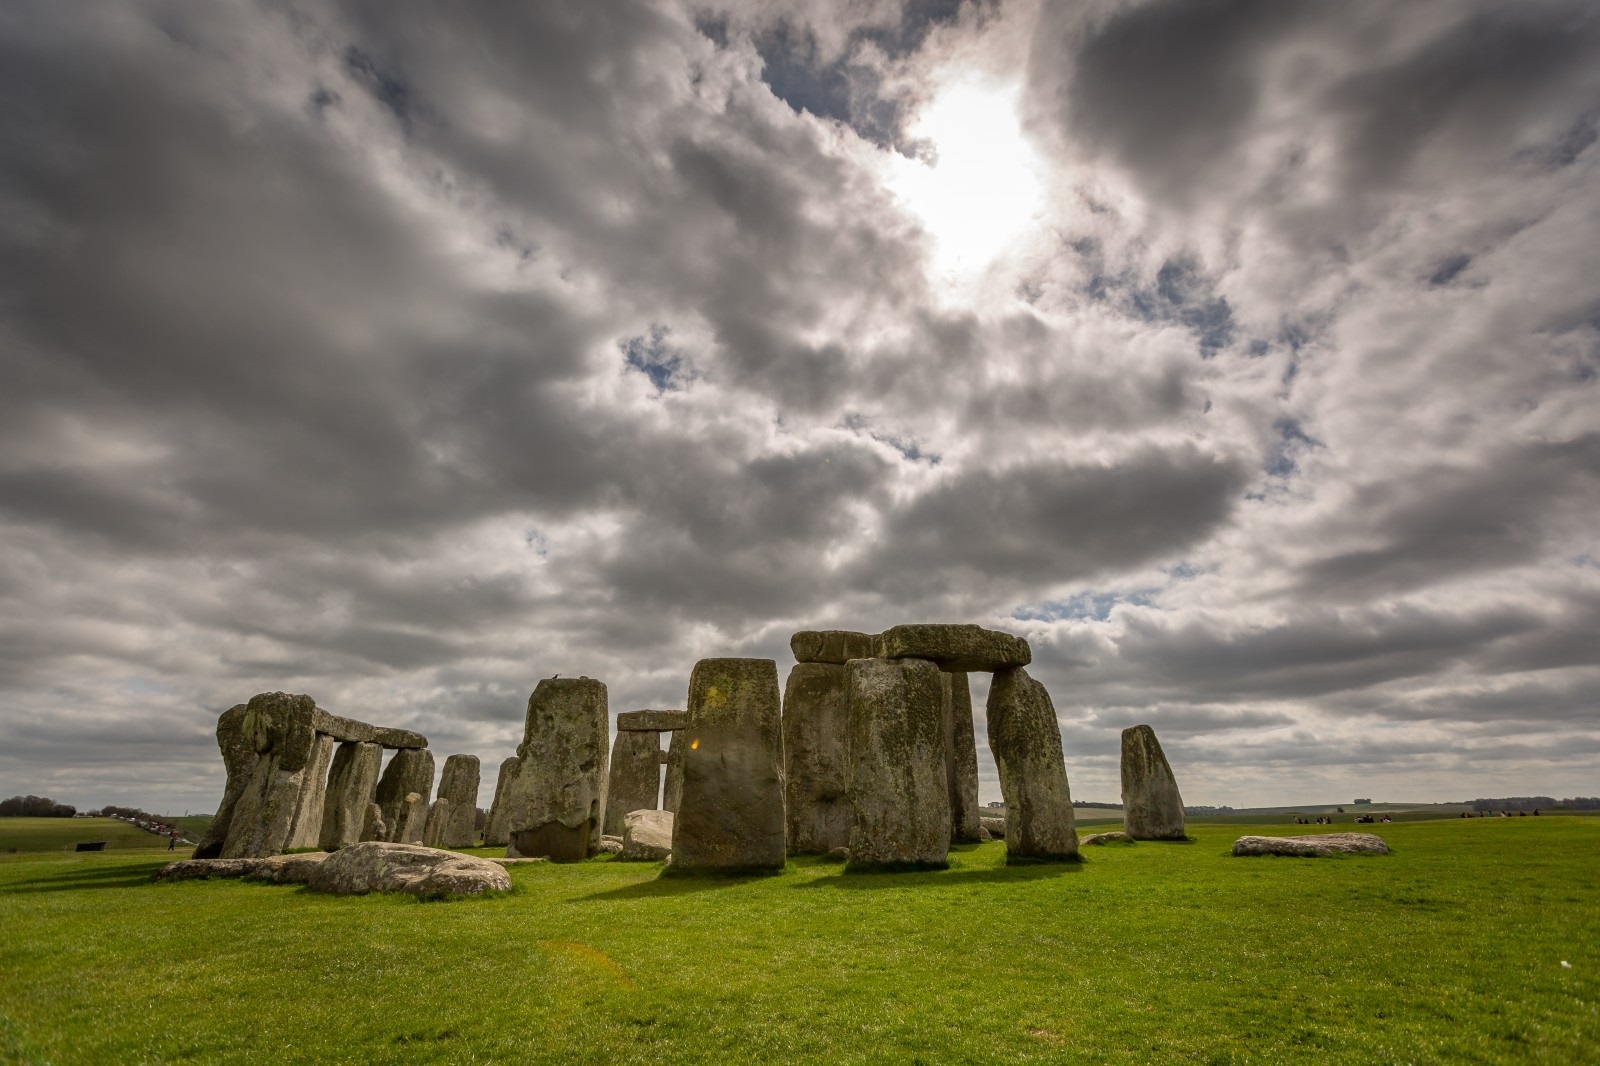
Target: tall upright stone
point(352, 784)
point(672, 784)
point(1026, 741)
point(413, 819)
point(494, 831)
point(554, 807)
point(730, 816)
point(1152, 809)
point(436, 829)
point(278, 727)
point(459, 785)
point(899, 788)
point(410, 770)
point(961, 759)
point(306, 829)
point(816, 756)
point(239, 760)
point(635, 779)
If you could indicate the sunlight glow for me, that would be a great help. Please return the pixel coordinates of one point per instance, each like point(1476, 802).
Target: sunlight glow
point(983, 189)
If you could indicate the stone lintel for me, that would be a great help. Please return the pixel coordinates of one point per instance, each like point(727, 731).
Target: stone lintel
point(837, 646)
point(652, 721)
point(955, 648)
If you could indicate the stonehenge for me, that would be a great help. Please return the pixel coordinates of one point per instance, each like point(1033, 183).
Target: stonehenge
point(553, 804)
point(276, 750)
point(352, 784)
point(899, 791)
point(816, 730)
point(730, 815)
point(1152, 809)
point(410, 770)
point(1026, 742)
point(636, 759)
point(494, 830)
point(957, 648)
point(961, 759)
point(458, 787)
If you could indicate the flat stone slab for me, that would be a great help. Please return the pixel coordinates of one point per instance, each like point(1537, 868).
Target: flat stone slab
point(292, 869)
point(204, 869)
point(1313, 846)
point(996, 827)
point(646, 836)
point(649, 721)
point(837, 646)
point(1118, 837)
point(376, 866)
point(956, 648)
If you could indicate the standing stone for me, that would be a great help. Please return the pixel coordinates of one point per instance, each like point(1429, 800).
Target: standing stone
point(239, 759)
point(352, 783)
point(438, 824)
point(1026, 741)
point(730, 816)
point(635, 777)
point(899, 790)
point(672, 786)
point(410, 770)
point(1152, 809)
point(306, 830)
point(961, 759)
point(494, 831)
point(374, 828)
point(414, 816)
point(459, 785)
point(555, 804)
point(816, 757)
point(277, 726)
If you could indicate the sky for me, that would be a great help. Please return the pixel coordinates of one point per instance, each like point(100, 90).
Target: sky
point(1241, 355)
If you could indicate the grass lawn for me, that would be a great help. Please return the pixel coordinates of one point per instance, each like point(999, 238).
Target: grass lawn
point(1449, 950)
point(61, 834)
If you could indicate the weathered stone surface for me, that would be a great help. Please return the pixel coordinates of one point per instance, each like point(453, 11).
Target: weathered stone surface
point(609, 845)
point(730, 816)
point(1152, 809)
point(410, 770)
point(961, 758)
point(651, 721)
point(899, 793)
point(672, 785)
point(995, 827)
point(984, 836)
point(239, 759)
point(437, 826)
point(495, 834)
point(459, 784)
point(292, 869)
point(265, 812)
point(374, 828)
point(378, 866)
point(554, 805)
point(1026, 741)
point(1312, 846)
point(816, 757)
point(957, 648)
point(647, 836)
point(1107, 838)
point(201, 869)
point(352, 783)
point(635, 777)
point(305, 831)
point(412, 820)
point(836, 646)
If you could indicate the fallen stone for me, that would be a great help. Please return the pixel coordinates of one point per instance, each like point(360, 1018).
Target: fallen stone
point(352, 783)
point(1152, 809)
point(1025, 739)
point(1313, 846)
point(1117, 837)
point(652, 721)
point(635, 777)
point(378, 866)
point(995, 827)
point(518, 861)
point(836, 646)
point(816, 757)
point(730, 814)
point(409, 770)
point(956, 648)
point(495, 834)
point(201, 869)
point(292, 869)
point(647, 836)
point(961, 758)
point(459, 784)
point(554, 806)
point(899, 792)
point(609, 845)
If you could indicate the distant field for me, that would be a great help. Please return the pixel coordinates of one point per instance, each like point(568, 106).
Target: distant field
point(1449, 950)
point(58, 834)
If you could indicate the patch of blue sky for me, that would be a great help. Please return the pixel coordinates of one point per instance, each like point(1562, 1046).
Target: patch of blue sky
point(532, 538)
point(652, 356)
point(1090, 606)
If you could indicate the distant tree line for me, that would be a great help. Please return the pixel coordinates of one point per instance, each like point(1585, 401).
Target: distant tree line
point(1207, 810)
point(1530, 803)
point(35, 807)
point(111, 810)
point(1102, 806)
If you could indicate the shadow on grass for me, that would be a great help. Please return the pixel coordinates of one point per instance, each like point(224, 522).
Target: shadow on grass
point(1017, 873)
point(682, 885)
point(86, 877)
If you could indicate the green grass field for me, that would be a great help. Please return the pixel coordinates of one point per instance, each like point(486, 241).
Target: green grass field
point(1449, 950)
point(62, 834)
